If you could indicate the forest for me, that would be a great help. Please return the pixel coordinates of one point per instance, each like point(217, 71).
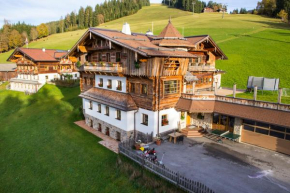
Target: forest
point(16, 35)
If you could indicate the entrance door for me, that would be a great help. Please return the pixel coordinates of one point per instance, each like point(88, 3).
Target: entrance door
point(108, 131)
point(188, 119)
point(91, 123)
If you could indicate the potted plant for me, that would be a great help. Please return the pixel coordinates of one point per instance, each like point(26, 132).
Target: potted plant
point(111, 64)
point(164, 122)
point(182, 117)
point(158, 140)
point(87, 63)
point(100, 84)
point(137, 65)
point(102, 63)
point(138, 144)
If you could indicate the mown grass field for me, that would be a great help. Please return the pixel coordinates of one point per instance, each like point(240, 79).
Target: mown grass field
point(255, 45)
point(42, 150)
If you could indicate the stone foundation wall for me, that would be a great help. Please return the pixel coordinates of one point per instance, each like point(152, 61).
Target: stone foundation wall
point(207, 121)
point(124, 135)
point(145, 138)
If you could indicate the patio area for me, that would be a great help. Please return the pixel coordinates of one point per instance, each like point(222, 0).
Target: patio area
point(228, 167)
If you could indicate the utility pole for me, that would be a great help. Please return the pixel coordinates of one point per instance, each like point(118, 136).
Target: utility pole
point(169, 3)
point(193, 3)
point(224, 8)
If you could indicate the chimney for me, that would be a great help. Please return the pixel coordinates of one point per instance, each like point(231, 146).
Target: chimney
point(43, 49)
point(126, 29)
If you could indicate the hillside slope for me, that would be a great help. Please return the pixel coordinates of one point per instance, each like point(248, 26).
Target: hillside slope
point(255, 45)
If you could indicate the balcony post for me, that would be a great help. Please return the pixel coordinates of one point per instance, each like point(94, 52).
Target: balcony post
point(255, 93)
point(234, 90)
point(280, 95)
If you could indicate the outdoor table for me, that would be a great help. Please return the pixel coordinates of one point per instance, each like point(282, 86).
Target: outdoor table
point(174, 136)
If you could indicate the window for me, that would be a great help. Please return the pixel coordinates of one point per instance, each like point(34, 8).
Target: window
point(164, 120)
point(144, 89)
point(107, 111)
point(101, 82)
point(91, 105)
point(99, 108)
point(119, 85)
point(76, 75)
point(108, 57)
point(100, 57)
point(132, 88)
point(91, 81)
point(200, 116)
point(118, 57)
point(109, 84)
point(288, 137)
point(262, 131)
point(277, 134)
point(145, 119)
point(250, 122)
point(85, 80)
point(277, 128)
point(262, 124)
point(171, 87)
point(249, 128)
point(216, 118)
point(118, 114)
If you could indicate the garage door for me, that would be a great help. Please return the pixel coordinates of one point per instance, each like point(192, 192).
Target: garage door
point(266, 141)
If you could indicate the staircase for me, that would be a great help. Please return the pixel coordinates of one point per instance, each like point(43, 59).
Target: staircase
point(192, 132)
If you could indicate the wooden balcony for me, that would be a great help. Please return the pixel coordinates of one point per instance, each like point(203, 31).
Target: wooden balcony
point(105, 67)
point(65, 71)
point(27, 71)
point(202, 68)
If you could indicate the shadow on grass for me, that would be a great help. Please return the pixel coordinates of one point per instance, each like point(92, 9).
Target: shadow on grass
point(268, 24)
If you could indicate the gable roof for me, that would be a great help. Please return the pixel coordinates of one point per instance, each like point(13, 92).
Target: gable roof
point(7, 67)
point(38, 55)
point(140, 43)
point(202, 38)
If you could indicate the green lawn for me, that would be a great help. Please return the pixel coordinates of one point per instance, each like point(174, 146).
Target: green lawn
point(255, 45)
point(42, 150)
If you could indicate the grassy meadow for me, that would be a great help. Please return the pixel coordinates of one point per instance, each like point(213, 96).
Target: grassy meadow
point(255, 45)
point(42, 150)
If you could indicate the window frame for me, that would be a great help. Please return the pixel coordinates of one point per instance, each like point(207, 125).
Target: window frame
point(99, 108)
point(119, 86)
point(132, 85)
point(176, 87)
point(101, 83)
point(107, 111)
point(145, 119)
point(145, 86)
point(118, 114)
point(91, 105)
point(109, 83)
point(164, 120)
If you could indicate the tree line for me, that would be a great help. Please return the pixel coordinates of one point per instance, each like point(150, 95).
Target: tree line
point(274, 8)
point(187, 5)
point(15, 35)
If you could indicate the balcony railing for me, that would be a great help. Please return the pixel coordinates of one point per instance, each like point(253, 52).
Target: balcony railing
point(202, 68)
point(249, 102)
point(104, 67)
point(65, 71)
point(22, 71)
point(240, 101)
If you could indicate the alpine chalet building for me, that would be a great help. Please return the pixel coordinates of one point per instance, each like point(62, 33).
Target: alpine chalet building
point(37, 66)
point(142, 86)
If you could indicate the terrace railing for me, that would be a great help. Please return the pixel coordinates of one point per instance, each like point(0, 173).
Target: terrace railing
point(198, 97)
point(186, 184)
point(249, 102)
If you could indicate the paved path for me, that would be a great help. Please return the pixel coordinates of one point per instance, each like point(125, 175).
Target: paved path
point(107, 141)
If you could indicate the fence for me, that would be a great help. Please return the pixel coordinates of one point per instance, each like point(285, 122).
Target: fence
point(188, 185)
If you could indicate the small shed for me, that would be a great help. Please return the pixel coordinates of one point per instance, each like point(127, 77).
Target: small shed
point(7, 71)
